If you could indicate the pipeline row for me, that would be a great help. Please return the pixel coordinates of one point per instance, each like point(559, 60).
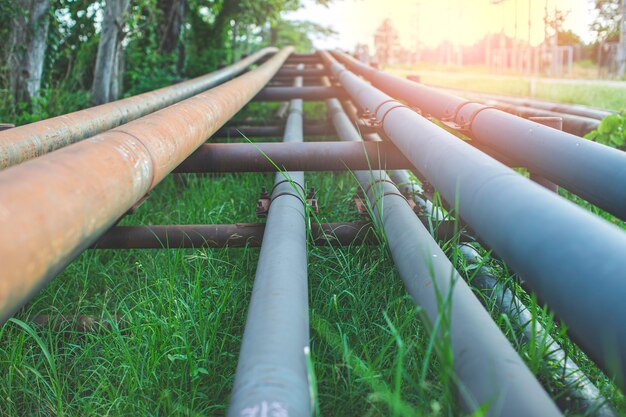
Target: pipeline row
point(55, 205)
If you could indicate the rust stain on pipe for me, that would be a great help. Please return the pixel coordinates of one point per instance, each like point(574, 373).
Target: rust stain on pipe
point(35, 139)
point(55, 206)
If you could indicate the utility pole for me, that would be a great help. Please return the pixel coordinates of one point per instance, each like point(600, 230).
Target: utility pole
point(621, 53)
point(530, 9)
point(544, 45)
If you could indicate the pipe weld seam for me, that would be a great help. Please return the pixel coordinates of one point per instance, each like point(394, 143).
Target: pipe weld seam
point(152, 161)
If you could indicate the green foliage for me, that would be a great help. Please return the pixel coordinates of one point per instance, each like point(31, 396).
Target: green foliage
point(213, 34)
point(606, 22)
point(146, 67)
point(611, 131)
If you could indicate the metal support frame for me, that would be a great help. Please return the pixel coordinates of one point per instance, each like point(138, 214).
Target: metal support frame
point(304, 156)
point(305, 93)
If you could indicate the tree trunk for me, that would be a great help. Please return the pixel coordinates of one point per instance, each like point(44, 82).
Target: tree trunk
point(273, 34)
point(218, 34)
point(172, 19)
point(28, 48)
point(106, 86)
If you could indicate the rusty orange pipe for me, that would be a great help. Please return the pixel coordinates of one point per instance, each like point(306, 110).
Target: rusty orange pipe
point(35, 139)
point(53, 207)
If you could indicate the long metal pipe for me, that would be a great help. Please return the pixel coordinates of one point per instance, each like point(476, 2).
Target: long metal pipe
point(488, 370)
point(225, 235)
point(289, 156)
point(35, 139)
point(55, 206)
point(573, 109)
point(572, 259)
point(576, 125)
point(272, 376)
point(595, 172)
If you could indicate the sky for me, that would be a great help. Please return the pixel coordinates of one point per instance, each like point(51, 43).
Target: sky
point(434, 21)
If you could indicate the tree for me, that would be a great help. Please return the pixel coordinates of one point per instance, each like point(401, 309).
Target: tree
point(28, 48)
point(567, 37)
point(607, 20)
point(109, 61)
point(299, 34)
point(171, 22)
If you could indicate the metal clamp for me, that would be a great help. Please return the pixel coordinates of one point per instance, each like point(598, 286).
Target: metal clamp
point(362, 209)
point(265, 201)
point(462, 126)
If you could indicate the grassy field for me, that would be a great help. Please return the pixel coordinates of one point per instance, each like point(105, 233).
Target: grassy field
point(177, 318)
point(587, 92)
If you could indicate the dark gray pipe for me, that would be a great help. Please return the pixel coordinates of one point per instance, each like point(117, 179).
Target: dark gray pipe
point(304, 156)
point(573, 109)
point(228, 235)
point(595, 172)
point(487, 368)
point(576, 125)
point(572, 259)
point(582, 396)
point(317, 129)
point(306, 93)
point(272, 376)
point(312, 72)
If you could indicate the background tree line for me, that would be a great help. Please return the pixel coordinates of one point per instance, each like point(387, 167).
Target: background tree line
point(61, 55)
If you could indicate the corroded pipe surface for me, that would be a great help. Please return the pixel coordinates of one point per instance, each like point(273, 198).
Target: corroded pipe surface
point(53, 207)
point(35, 139)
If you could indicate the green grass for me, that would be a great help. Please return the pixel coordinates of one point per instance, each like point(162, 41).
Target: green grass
point(178, 318)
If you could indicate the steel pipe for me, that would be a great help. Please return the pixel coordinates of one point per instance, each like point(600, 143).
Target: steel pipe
point(576, 125)
point(35, 139)
point(304, 156)
point(55, 206)
point(225, 235)
point(573, 109)
point(272, 372)
point(488, 370)
point(595, 172)
point(305, 93)
point(572, 259)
